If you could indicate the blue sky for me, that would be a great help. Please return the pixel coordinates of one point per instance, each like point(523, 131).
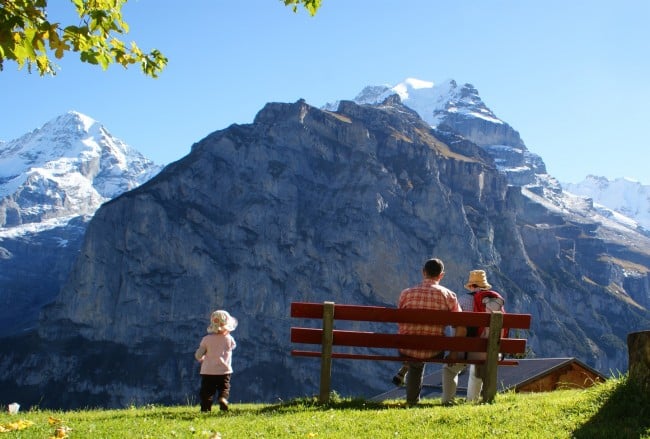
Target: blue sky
point(570, 76)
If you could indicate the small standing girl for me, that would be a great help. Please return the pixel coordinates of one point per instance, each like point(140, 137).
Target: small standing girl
point(215, 355)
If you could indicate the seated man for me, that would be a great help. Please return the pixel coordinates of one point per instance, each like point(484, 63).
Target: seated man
point(429, 294)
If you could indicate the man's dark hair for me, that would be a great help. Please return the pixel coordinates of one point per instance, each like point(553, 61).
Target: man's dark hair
point(433, 267)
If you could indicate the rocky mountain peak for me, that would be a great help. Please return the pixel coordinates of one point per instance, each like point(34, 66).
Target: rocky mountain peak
point(67, 167)
point(463, 101)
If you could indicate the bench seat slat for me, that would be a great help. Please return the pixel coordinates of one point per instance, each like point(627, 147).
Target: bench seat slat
point(394, 341)
point(343, 355)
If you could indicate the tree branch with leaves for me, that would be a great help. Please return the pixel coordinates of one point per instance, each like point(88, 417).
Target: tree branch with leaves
point(30, 39)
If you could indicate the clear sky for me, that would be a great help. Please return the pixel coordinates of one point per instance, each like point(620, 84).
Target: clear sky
point(570, 75)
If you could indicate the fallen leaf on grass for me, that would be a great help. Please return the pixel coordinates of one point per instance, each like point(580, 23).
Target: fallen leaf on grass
point(17, 425)
point(61, 432)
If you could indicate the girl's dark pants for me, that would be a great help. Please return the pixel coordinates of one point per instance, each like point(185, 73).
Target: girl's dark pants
point(212, 385)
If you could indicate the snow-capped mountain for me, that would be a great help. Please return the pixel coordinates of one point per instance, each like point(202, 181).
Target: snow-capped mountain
point(52, 181)
point(432, 102)
point(68, 167)
point(459, 109)
point(627, 197)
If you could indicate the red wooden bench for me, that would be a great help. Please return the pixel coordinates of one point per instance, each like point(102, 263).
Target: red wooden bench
point(328, 337)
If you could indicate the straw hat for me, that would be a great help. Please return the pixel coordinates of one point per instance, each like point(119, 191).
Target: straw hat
point(222, 321)
point(477, 278)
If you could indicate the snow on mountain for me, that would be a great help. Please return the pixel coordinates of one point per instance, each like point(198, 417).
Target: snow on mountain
point(68, 167)
point(627, 197)
point(432, 102)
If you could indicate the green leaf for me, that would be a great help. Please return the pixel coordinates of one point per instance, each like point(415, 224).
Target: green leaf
point(104, 60)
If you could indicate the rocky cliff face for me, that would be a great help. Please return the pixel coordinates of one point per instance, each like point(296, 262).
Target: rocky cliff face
point(314, 205)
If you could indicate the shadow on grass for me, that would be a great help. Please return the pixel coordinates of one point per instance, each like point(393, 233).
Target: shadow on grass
point(625, 414)
point(300, 404)
point(191, 412)
point(338, 403)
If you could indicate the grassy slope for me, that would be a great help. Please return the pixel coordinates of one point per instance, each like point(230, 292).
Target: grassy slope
point(615, 409)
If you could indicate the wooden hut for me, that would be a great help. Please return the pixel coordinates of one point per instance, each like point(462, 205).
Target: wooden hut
point(531, 375)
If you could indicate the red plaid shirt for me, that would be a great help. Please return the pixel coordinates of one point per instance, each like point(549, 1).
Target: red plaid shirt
point(428, 295)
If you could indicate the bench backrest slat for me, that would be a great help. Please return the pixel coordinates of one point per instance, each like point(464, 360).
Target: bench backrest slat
point(395, 315)
point(394, 341)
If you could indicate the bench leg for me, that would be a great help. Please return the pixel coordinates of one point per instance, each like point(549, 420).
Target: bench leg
point(492, 361)
point(326, 352)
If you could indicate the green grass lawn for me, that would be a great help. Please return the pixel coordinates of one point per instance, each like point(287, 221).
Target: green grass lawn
point(615, 409)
